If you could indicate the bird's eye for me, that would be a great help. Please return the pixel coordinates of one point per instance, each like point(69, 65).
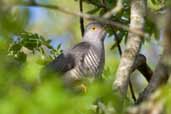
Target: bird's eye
point(93, 28)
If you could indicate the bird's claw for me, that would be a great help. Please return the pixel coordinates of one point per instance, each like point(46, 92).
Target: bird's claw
point(83, 88)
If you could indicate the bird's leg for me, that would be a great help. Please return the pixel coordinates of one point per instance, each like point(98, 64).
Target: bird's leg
point(83, 88)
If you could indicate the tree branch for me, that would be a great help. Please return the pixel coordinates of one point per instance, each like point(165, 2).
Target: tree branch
point(97, 4)
point(120, 53)
point(132, 47)
point(115, 10)
point(141, 65)
point(163, 69)
point(86, 16)
point(154, 105)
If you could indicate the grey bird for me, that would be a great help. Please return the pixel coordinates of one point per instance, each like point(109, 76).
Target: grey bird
point(85, 59)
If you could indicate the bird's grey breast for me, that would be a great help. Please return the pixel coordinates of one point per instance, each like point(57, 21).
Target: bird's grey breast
point(94, 61)
point(89, 64)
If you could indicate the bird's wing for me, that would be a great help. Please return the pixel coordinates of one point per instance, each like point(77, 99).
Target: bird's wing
point(69, 60)
point(61, 64)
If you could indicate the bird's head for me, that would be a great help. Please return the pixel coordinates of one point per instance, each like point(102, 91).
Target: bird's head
point(95, 32)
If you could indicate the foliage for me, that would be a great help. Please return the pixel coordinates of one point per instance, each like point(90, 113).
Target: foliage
point(32, 42)
point(24, 51)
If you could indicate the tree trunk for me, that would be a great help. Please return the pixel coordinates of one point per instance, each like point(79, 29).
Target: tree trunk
point(132, 47)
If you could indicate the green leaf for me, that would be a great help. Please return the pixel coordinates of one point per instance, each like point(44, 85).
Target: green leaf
point(21, 56)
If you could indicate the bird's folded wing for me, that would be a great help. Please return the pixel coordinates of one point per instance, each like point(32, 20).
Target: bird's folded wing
point(62, 63)
point(69, 60)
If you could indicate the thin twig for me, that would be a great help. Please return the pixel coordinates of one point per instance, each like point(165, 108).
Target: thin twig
point(81, 18)
point(132, 91)
point(117, 42)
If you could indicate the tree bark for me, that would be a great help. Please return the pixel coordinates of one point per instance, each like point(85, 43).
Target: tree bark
point(132, 47)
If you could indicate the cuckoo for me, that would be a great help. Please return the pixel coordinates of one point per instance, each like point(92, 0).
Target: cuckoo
point(85, 59)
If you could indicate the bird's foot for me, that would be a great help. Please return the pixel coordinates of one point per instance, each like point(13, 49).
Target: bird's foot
point(83, 88)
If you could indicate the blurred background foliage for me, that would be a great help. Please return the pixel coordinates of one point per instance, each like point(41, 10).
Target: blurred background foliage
point(30, 37)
